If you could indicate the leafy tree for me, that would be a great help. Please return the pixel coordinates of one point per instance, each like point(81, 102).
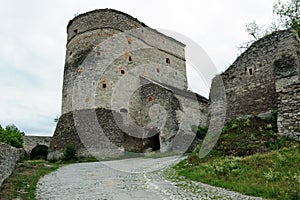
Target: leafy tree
point(286, 15)
point(11, 135)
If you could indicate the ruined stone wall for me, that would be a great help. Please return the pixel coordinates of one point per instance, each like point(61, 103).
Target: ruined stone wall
point(98, 45)
point(289, 111)
point(32, 141)
point(250, 80)
point(287, 73)
point(9, 156)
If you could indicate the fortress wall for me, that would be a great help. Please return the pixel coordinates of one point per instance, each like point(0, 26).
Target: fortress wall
point(289, 111)
point(107, 53)
point(287, 72)
point(99, 19)
point(250, 80)
point(32, 141)
point(91, 132)
point(99, 35)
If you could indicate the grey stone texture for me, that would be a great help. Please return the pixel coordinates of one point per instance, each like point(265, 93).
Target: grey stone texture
point(31, 142)
point(265, 78)
point(109, 56)
point(9, 156)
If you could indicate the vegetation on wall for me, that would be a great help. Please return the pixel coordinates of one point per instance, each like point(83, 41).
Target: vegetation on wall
point(249, 157)
point(286, 16)
point(11, 135)
point(69, 153)
point(251, 135)
point(200, 131)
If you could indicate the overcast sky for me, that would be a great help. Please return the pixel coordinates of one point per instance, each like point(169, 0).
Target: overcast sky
point(33, 41)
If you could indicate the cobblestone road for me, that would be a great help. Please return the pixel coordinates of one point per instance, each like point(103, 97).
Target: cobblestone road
point(129, 179)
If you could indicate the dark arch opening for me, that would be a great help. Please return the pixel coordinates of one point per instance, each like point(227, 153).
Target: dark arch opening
point(39, 152)
point(156, 143)
point(123, 110)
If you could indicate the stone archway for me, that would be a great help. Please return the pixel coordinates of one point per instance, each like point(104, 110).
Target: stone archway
point(39, 152)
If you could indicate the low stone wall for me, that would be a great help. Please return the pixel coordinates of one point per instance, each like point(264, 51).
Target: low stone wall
point(8, 158)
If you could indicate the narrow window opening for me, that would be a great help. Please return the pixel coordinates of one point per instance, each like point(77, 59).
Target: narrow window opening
point(150, 98)
point(130, 59)
point(75, 31)
point(104, 85)
point(122, 71)
point(70, 53)
point(157, 70)
point(168, 60)
point(250, 71)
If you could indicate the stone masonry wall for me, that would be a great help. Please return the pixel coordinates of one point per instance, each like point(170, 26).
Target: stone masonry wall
point(99, 37)
point(107, 53)
point(32, 141)
point(250, 80)
point(91, 132)
point(8, 158)
point(289, 111)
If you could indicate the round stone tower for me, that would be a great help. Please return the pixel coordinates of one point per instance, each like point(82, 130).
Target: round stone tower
point(116, 68)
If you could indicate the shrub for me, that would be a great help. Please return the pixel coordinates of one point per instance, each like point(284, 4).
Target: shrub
point(11, 135)
point(200, 131)
point(69, 152)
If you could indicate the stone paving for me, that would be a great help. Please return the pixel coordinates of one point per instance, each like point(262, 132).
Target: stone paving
point(129, 179)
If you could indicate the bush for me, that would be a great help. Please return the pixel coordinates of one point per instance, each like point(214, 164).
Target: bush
point(11, 135)
point(69, 153)
point(200, 131)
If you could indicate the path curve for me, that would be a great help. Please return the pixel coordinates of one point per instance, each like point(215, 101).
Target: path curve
point(128, 179)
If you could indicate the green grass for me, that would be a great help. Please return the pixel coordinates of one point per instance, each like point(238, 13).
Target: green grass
point(249, 157)
point(22, 183)
point(272, 175)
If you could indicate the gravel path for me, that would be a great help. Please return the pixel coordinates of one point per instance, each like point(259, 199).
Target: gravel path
point(129, 179)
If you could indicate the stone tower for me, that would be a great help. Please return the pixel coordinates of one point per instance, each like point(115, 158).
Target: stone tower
point(124, 89)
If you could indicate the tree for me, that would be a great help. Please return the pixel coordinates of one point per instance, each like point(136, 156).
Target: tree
point(286, 15)
point(11, 135)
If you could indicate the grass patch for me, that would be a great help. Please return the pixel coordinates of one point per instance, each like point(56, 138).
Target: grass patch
point(249, 136)
point(251, 158)
point(272, 175)
point(22, 183)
